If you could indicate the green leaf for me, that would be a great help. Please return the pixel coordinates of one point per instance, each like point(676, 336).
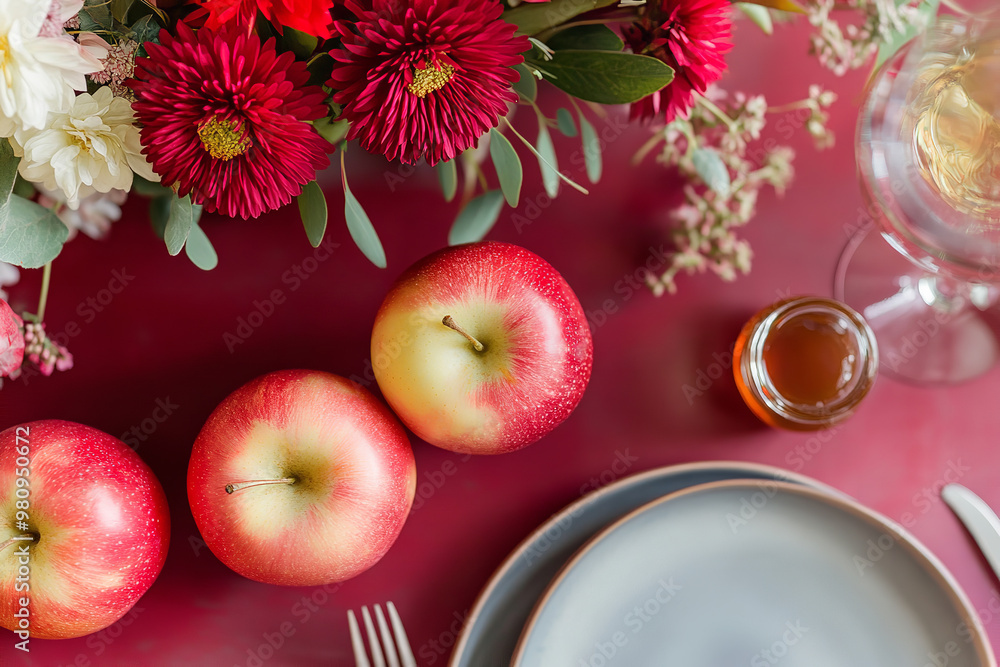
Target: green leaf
point(607, 77)
point(508, 166)
point(159, 214)
point(149, 189)
point(360, 227)
point(783, 5)
point(758, 14)
point(533, 18)
point(547, 160)
point(146, 29)
point(299, 43)
point(31, 236)
point(527, 85)
point(588, 37)
point(333, 131)
point(477, 218)
point(8, 170)
point(199, 249)
point(119, 9)
point(95, 18)
point(591, 150)
point(183, 216)
point(448, 177)
point(712, 169)
point(23, 188)
point(927, 10)
point(312, 209)
point(564, 119)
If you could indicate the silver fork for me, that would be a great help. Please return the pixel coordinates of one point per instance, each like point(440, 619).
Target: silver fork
point(384, 654)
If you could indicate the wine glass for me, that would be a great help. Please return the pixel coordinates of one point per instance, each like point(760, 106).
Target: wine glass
point(928, 154)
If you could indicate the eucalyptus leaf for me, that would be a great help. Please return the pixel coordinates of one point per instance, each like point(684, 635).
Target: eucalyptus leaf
point(607, 77)
point(477, 218)
point(146, 29)
point(758, 14)
point(360, 227)
point(533, 18)
point(712, 170)
point(31, 236)
point(927, 10)
point(547, 160)
point(508, 166)
point(149, 189)
point(159, 213)
point(23, 188)
point(199, 249)
point(564, 120)
point(333, 131)
point(96, 18)
point(527, 85)
point(183, 216)
point(8, 170)
point(591, 150)
point(313, 210)
point(448, 177)
point(119, 9)
point(594, 37)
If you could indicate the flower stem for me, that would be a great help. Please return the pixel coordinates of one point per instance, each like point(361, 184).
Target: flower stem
point(236, 486)
point(531, 148)
point(44, 296)
point(710, 106)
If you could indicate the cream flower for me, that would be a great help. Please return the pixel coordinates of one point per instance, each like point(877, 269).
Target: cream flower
point(94, 147)
point(37, 74)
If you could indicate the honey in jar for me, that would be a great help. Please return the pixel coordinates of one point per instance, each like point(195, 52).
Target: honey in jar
point(805, 363)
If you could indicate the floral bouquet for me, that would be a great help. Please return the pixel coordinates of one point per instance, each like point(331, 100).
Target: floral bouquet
point(234, 106)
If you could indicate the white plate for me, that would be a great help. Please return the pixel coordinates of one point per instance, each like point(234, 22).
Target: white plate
point(492, 627)
point(728, 574)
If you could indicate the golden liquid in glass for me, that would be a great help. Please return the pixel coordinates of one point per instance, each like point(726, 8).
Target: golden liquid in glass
point(956, 133)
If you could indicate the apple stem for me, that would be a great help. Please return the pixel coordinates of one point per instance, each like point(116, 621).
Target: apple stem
point(236, 486)
point(450, 323)
point(19, 538)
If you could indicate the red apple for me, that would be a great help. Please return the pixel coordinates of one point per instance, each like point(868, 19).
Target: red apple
point(300, 478)
point(481, 348)
point(96, 523)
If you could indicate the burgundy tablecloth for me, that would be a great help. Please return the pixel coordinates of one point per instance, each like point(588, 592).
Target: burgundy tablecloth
point(661, 392)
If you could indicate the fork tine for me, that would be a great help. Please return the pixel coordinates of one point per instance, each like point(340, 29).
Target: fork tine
point(402, 643)
point(388, 645)
point(373, 642)
point(360, 658)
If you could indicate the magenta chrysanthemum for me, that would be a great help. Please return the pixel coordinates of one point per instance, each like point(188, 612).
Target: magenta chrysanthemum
point(692, 36)
point(224, 117)
point(424, 78)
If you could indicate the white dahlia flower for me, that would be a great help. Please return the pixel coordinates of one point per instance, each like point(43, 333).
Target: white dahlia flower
point(93, 147)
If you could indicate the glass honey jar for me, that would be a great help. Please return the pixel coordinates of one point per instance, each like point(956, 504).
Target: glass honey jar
point(805, 363)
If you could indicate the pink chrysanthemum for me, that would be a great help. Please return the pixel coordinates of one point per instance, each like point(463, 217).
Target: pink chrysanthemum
point(224, 118)
point(692, 36)
point(11, 341)
point(424, 78)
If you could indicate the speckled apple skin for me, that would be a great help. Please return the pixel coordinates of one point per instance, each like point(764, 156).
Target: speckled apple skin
point(530, 377)
point(103, 523)
point(355, 473)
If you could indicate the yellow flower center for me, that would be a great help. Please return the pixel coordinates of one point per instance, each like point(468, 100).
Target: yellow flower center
point(5, 60)
point(430, 78)
point(223, 139)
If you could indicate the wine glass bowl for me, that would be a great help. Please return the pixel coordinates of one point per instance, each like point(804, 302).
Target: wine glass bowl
point(928, 155)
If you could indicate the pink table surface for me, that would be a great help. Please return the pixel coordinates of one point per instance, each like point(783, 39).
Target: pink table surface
point(161, 340)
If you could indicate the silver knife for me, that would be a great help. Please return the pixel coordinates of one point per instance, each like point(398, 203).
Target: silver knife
point(981, 521)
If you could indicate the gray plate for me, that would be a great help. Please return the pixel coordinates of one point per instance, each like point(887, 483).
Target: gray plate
point(493, 626)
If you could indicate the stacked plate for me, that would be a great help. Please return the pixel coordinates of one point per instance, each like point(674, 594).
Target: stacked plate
point(721, 564)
